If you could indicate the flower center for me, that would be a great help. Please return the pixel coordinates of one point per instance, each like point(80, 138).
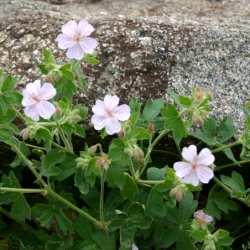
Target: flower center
point(194, 164)
point(109, 113)
point(77, 38)
point(35, 98)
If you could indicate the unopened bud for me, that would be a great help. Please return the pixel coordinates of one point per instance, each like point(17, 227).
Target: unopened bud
point(198, 94)
point(151, 127)
point(197, 120)
point(103, 161)
point(93, 149)
point(177, 192)
point(138, 154)
point(24, 133)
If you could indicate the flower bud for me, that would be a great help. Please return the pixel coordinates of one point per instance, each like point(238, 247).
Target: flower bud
point(135, 152)
point(178, 192)
point(93, 149)
point(198, 94)
point(103, 161)
point(151, 127)
point(197, 120)
point(24, 133)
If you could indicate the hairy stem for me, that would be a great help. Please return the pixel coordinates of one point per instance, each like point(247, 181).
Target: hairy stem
point(53, 194)
point(151, 147)
point(75, 208)
point(30, 165)
point(23, 190)
point(231, 165)
point(102, 182)
point(230, 145)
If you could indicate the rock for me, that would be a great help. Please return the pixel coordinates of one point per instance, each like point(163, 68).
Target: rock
point(143, 57)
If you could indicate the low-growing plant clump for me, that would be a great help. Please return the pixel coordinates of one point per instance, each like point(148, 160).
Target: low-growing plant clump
point(163, 175)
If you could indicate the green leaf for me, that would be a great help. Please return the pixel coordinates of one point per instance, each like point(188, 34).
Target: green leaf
point(141, 133)
point(213, 132)
point(154, 173)
point(119, 163)
point(48, 214)
point(80, 182)
point(152, 109)
point(91, 59)
point(20, 209)
point(236, 182)
point(222, 238)
point(174, 122)
point(129, 189)
point(219, 202)
point(59, 164)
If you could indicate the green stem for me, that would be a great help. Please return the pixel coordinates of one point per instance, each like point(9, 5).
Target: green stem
point(231, 165)
point(230, 145)
point(227, 189)
point(54, 194)
point(150, 182)
point(102, 182)
point(30, 165)
point(151, 147)
point(34, 146)
point(66, 142)
point(75, 208)
point(132, 169)
point(59, 146)
point(23, 190)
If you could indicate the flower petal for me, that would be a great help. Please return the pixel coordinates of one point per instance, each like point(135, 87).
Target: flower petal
point(33, 87)
point(98, 122)
point(31, 112)
point(99, 108)
point(111, 102)
point(75, 52)
point(88, 44)
point(122, 112)
point(189, 153)
point(205, 174)
point(192, 178)
point(182, 168)
point(64, 41)
point(205, 157)
point(85, 28)
point(112, 126)
point(27, 99)
point(45, 109)
point(70, 28)
point(47, 91)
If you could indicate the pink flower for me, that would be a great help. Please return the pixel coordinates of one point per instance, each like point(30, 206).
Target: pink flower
point(203, 218)
point(75, 38)
point(107, 114)
point(195, 167)
point(35, 100)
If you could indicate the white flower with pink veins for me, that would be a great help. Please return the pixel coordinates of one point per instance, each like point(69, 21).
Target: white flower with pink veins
point(35, 100)
point(195, 167)
point(108, 115)
point(75, 38)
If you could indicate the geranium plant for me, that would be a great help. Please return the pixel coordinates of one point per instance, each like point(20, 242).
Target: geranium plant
point(156, 175)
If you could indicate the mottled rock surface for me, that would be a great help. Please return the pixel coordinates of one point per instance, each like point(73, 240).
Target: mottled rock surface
point(142, 57)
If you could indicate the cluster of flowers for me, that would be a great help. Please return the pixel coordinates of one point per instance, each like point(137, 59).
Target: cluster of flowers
point(194, 169)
